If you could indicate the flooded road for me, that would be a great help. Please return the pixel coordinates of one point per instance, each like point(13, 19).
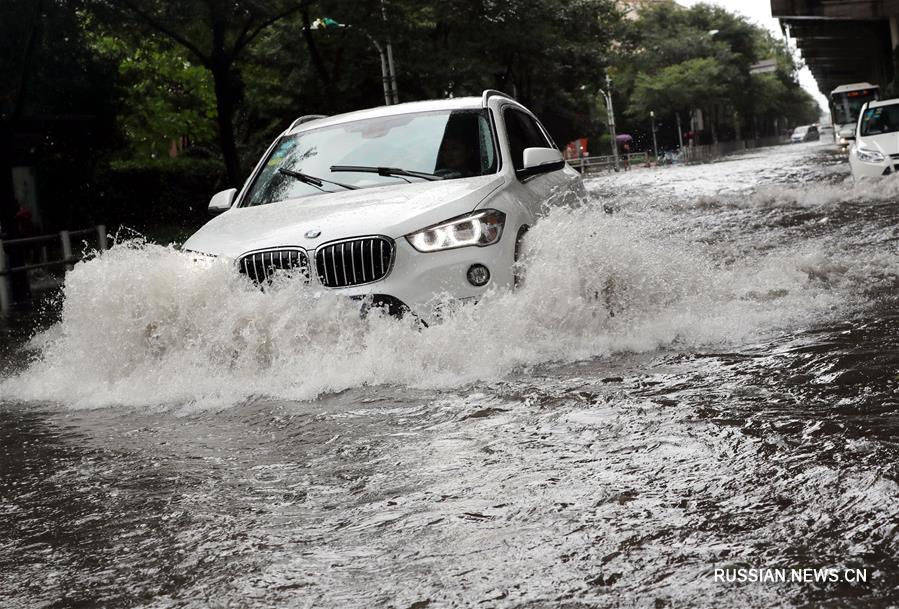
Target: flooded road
point(701, 372)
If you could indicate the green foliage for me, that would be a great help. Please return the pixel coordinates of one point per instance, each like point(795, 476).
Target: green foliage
point(58, 101)
point(166, 99)
point(676, 60)
point(141, 193)
point(694, 83)
point(46, 69)
point(548, 53)
point(214, 33)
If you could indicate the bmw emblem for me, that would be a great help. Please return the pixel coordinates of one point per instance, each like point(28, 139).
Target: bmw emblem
point(312, 234)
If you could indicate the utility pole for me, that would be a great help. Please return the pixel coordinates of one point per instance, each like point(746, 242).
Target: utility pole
point(610, 113)
point(388, 78)
point(385, 76)
point(394, 93)
point(655, 147)
point(680, 135)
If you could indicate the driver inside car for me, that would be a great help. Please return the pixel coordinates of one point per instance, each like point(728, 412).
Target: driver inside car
point(459, 155)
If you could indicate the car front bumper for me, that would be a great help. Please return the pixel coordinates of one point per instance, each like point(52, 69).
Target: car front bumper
point(861, 169)
point(418, 282)
point(423, 282)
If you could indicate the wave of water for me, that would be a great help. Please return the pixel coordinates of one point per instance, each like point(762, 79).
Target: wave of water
point(143, 325)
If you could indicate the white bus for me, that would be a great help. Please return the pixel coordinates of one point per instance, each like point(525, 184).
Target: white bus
point(845, 103)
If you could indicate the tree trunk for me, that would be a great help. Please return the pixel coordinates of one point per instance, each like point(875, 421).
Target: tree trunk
point(225, 104)
point(713, 117)
point(9, 207)
point(8, 204)
point(221, 63)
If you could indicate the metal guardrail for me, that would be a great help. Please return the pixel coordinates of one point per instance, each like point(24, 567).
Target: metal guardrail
point(589, 163)
point(710, 152)
point(687, 154)
point(67, 260)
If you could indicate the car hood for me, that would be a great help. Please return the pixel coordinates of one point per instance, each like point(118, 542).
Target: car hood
point(394, 211)
point(885, 143)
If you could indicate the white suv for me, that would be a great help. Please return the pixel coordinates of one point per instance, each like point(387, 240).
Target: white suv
point(876, 145)
point(403, 204)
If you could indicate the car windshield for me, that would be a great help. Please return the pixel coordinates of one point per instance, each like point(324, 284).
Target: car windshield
point(883, 119)
point(800, 130)
point(448, 144)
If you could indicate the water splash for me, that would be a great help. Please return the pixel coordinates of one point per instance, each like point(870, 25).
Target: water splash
point(144, 325)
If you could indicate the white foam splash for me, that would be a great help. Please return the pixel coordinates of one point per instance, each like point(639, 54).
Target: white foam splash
point(143, 325)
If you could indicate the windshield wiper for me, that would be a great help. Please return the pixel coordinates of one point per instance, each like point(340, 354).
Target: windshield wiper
point(305, 178)
point(387, 172)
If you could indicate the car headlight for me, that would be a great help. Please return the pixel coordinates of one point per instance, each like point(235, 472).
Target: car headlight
point(868, 156)
point(480, 228)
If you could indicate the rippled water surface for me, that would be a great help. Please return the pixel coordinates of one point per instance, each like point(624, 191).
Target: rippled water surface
point(701, 371)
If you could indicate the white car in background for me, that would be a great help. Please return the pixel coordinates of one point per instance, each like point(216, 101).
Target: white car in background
point(805, 133)
point(875, 145)
point(400, 205)
point(844, 137)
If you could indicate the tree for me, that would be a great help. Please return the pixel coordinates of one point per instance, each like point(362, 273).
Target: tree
point(549, 54)
point(15, 68)
point(166, 98)
point(217, 34)
point(695, 83)
point(673, 59)
point(55, 97)
point(451, 47)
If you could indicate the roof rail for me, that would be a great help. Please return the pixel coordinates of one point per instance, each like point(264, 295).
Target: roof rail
point(488, 93)
point(306, 119)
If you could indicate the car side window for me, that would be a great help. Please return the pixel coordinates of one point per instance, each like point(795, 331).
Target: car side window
point(523, 132)
point(536, 139)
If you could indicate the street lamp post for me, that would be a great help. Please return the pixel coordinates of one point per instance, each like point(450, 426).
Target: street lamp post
point(385, 77)
point(388, 76)
point(610, 112)
point(394, 94)
point(655, 147)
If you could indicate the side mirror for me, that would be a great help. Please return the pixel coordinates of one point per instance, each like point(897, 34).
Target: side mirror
point(222, 201)
point(540, 160)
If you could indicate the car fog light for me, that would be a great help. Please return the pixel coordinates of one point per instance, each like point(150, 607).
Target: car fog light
point(478, 275)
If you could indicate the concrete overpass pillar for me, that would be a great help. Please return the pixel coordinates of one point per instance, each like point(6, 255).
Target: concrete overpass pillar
point(894, 32)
